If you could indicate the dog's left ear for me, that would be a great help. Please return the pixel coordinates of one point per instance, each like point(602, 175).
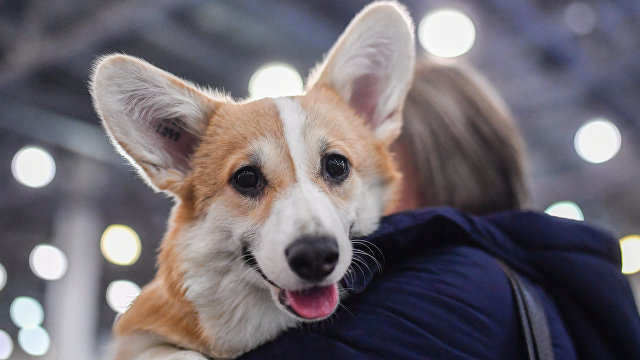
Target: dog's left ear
point(371, 67)
point(154, 119)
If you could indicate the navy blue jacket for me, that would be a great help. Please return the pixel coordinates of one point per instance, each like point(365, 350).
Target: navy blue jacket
point(440, 293)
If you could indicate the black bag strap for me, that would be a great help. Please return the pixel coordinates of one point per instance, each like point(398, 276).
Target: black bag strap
point(532, 317)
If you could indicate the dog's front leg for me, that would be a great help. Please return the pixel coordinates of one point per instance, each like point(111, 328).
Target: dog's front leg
point(168, 352)
point(146, 346)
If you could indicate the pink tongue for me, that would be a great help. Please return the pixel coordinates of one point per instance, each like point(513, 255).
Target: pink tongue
point(314, 303)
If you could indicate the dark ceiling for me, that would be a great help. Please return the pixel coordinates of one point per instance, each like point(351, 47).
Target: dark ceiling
point(553, 79)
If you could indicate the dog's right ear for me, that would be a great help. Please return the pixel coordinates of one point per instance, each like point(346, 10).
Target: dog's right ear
point(371, 67)
point(153, 118)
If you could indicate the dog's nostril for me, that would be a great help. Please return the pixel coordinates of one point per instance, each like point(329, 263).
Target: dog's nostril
point(329, 261)
point(313, 257)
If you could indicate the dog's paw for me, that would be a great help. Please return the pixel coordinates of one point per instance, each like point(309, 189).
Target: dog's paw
point(168, 352)
point(186, 355)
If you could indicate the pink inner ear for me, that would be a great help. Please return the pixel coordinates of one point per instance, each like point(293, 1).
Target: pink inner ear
point(176, 141)
point(365, 95)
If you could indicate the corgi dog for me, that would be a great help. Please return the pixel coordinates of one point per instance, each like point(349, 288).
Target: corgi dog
point(268, 193)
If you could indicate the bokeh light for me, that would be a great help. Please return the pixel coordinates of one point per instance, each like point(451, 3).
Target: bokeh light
point(6, 345)
point(275, 80)
point(120, 294)
point(565, 209)
point(33, 167)
point(630, 248)
point(580, 18)
point(597, 141)
point(34, 341)
point(120, 245)
point(26, 312)
point(446, 33)
point(48, 262)
point(3, 277)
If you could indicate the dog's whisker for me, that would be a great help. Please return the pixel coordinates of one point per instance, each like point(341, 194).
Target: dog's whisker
point(346, 309)
point(370, 255)
point(364, 264)
point(359, 268)
point(349, 276)
point(368, 245)
point(351, 271)
point(373, 258)
point(247, 273)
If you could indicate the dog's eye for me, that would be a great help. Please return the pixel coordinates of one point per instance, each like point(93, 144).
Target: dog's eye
point(248, 181)
point(335, 168)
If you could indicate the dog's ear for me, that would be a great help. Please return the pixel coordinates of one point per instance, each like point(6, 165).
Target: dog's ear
point(153, 118)
point(371, 66)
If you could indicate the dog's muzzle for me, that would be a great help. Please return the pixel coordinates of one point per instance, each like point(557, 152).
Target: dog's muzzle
point(313, 258)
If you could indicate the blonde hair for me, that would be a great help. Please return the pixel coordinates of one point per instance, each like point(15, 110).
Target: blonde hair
point(463, 144)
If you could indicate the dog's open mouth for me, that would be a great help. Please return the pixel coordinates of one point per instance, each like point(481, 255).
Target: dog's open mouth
point(313, 303)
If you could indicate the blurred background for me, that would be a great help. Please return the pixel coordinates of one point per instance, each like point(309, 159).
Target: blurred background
point(79, 229)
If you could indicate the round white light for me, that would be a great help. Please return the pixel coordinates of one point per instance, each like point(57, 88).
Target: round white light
point(275, 80)
point(6, 345)
point(597, 141)
point(630, 248)
point(120, 245)
point(580, 18)
point(446, 33)
point(34, 341)
point(33, 167)
point(120, 294)
point(26, 312)
point(48, 262)
point(3, 277)
point(565, 209)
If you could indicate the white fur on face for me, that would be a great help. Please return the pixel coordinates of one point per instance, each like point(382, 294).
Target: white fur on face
point(221, 286)
point(302, 209)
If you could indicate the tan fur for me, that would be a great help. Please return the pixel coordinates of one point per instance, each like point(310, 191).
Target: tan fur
point(347, 131)
point(161, 307)
point(228, 144)
point(204, 296)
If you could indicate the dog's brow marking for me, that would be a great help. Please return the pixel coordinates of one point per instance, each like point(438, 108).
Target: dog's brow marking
point(293, 118)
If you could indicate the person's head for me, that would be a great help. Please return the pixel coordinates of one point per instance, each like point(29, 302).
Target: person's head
point(459, 146)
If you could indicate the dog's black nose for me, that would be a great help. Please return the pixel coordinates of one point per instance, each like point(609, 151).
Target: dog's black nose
point(312, 257)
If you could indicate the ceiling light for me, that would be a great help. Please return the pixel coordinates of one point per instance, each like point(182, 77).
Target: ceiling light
point(597, 141)
point(446, 33)
point(580, 18)
point(6, 345)
point(33, 167)
point(3, 277)
point(26, 312)
point(275, 80)
point(565, 209)
point(120, 294)
point(630, 248)
point(34, 341)
point(48, 262)
point(120, 245)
